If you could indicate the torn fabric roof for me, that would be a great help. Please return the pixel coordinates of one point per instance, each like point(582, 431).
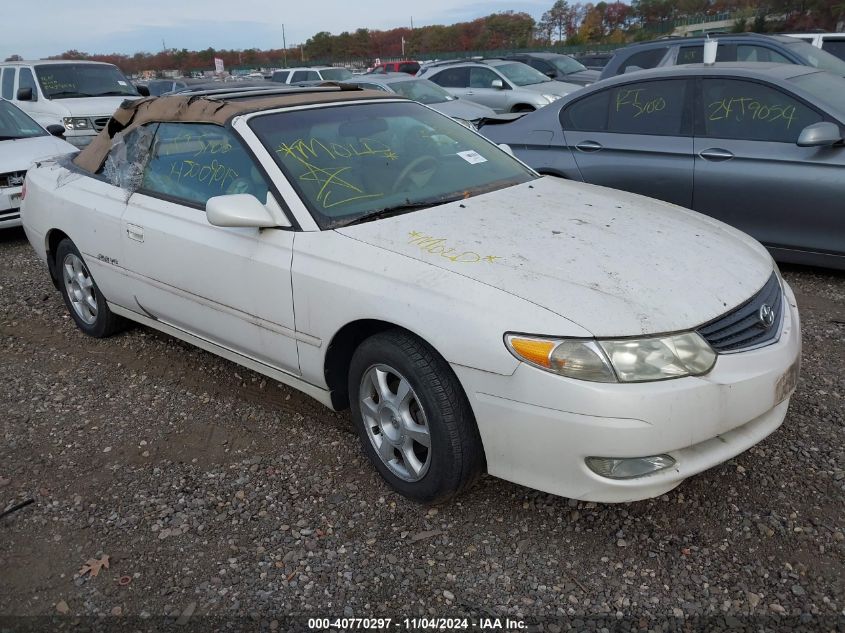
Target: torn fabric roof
point(189, 108)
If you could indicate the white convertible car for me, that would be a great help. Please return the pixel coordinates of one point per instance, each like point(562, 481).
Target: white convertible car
point(374, 253)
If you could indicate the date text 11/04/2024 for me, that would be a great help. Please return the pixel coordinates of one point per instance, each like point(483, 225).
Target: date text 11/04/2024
point(417, 624)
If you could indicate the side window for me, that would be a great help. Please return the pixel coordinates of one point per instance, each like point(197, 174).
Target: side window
point(642, 60)
point(834, 47)
point(588, 114)
point(312, 75)
point(749, 53)
point(124, 166)
point(281, 76)
point(409, 67)
point(299, 75)
point(452, 78)
point(745, 110)
point(481, 78)
point(540, 65)
point(650, 107)
point(26, 80)
point(8, 90)
point(695, 54)
point(197, 161)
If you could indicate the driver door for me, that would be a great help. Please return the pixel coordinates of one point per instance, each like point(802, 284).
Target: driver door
point(231, 286)
point(750, 173)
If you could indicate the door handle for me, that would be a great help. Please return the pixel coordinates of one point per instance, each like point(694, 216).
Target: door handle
point(715, 154)
point(135, 232)
point(588, 146)
point(469, 92)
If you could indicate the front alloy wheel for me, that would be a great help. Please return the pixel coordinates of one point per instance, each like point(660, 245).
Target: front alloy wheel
point(413, 418)
point(395, 422)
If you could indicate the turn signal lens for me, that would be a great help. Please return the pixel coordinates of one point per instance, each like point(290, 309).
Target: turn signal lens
point(534, 351)
point(574, 358)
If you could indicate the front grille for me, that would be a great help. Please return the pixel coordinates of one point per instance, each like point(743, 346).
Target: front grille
point(101, 122)
point(742, 327)
point(12, 179)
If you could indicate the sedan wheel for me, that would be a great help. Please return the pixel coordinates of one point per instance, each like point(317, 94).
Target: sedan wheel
point(83, 298)
point(395, 422)
point(79, 287)
point(413, 418)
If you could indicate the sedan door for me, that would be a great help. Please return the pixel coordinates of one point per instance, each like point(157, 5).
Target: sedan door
point(636, 137)
point(750, 173)
point(231, 286)
point(481, 89)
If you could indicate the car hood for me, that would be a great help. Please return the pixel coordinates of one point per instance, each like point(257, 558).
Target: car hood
point(19, 154)
point(463, 109)
point(582, 77)
point(553, 87)
point(615, 263)
point(93, 106)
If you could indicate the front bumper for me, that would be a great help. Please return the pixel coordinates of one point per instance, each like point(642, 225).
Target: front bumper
point(10, 202)
point(538, 428)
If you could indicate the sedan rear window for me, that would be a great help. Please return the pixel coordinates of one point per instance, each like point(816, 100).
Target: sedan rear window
point(349, 162)
point(15, 124)
point(818, 58)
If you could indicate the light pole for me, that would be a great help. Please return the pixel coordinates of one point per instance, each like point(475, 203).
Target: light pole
point(284, 47)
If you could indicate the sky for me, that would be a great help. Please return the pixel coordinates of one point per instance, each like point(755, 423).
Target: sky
point(50, 27)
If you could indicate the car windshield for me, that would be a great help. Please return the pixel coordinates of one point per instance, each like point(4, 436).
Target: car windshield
point(824, 86)
point(66, 81)
point(158, 88)
point(336, 74)
point(567, 65)
point(421, 90)
point(818, 58)
point(354, 162)
point(522, 74)
point(15, 124)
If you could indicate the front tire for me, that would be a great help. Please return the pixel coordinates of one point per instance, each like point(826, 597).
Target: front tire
point(83, 298)
point(413, 418)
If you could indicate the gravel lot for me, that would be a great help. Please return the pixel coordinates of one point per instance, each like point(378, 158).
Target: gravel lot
point(215, 491)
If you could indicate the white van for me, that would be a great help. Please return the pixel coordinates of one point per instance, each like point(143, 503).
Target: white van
point(833, 43)
point(79, 95)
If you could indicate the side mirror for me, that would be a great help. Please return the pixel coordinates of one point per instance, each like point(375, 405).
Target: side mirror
point(550, 74)
point(25, 94)
point(822, 134)
point(238, 210)
point(144, 91)
point(56, 130)
point(506, 148)
point(497, 83)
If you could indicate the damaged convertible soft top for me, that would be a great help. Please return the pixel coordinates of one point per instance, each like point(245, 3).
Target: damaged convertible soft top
point(204, 109)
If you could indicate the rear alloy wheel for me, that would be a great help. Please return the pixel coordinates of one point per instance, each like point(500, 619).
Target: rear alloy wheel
point(83, 298)
point(413, 418)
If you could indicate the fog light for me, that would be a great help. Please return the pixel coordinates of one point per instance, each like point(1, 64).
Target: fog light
point(627, 467)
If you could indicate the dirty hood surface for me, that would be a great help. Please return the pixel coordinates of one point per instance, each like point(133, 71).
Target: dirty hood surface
point(615, 263)
point(19, 154)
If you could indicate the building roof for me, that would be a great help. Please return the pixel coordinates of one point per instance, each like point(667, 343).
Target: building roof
point(200, 108)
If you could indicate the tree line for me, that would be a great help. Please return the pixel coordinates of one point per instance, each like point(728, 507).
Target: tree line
point(564, 24)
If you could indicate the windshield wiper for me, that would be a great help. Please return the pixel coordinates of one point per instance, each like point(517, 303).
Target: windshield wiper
point(113, 93)
point(399, 209)
point(66, 94)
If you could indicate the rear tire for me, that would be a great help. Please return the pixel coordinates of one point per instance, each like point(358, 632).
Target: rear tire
point(413, 418)
point(84, 301)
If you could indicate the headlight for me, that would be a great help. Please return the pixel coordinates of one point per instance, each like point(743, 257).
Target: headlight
point(73, 123)
point(552, 97)
point(623, 360)
point(466, 123)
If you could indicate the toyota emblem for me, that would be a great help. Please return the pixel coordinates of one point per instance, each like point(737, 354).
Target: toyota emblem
point(766, 316)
